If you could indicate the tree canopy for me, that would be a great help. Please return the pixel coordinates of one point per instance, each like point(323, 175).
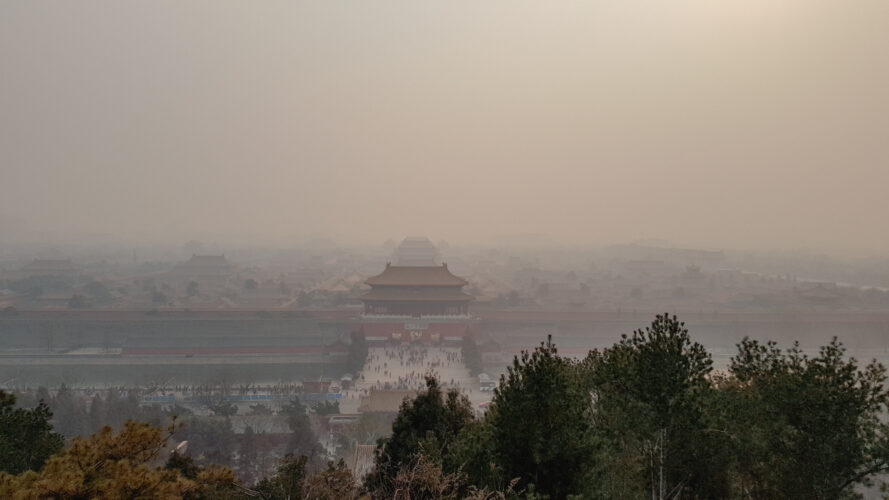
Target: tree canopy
point(26, 436)
point(111, 466)
point(357, 354)
point(805, 427)
point(650, 390)
point(472, 357)
point(427, 425)
point(646, 417)
point(539, 423)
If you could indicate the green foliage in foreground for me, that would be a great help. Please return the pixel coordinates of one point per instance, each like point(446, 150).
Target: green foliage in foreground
point(645, 418)
point(540, 424)
point(427, 426)
point(26, 436)
point(804, 427)
point(651, 390)
point(287, 482)
point(648, 418)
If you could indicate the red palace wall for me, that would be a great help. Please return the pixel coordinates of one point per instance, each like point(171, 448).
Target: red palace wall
point(408, 331)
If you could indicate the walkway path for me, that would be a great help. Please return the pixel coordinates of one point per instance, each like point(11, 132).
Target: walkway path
point(406, 367)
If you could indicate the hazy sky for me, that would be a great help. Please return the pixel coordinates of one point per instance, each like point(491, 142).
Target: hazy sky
point(748, 123)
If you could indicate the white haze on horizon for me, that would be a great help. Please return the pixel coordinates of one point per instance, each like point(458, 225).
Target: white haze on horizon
point(744, 124)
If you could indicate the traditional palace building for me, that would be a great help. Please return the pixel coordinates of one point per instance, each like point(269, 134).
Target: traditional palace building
point(410, 303)
point(416, 251)
point(416, 291)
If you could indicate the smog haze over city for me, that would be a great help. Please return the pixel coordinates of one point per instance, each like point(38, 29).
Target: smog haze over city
point(754, 125)
point(488, 250)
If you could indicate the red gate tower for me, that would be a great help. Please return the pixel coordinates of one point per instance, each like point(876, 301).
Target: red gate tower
point(416, 291)
point(410, 303)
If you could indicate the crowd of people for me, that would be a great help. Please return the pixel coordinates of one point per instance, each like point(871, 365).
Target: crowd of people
point(406, 368)
point(391, 368)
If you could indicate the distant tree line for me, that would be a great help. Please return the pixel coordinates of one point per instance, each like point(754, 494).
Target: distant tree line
point(357, 354)
point(472, 356)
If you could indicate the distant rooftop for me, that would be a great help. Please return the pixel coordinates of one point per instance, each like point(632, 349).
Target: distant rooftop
point(422, 294)
point(416, 251)
point(416, 276)
point(384, 401)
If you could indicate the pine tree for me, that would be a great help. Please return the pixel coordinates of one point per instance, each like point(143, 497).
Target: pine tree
point(650, 389)
point(540, 426)
point(426, 425)
point(26, 436)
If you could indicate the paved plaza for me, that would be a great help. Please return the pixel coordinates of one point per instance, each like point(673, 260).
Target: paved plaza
point(405, 367)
